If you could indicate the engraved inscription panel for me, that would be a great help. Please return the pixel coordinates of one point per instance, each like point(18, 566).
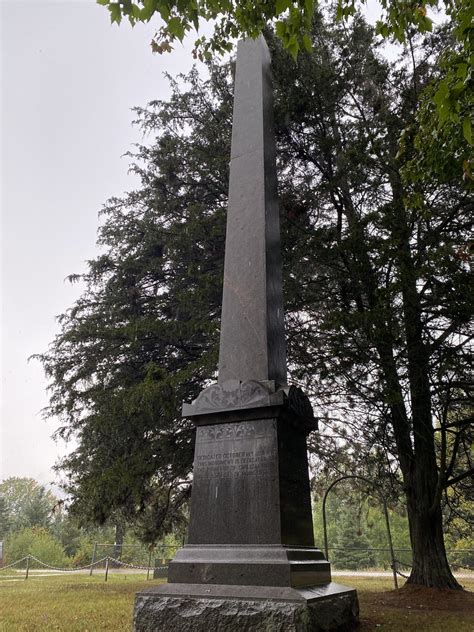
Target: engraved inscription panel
point(233, 450)
point(235, 482)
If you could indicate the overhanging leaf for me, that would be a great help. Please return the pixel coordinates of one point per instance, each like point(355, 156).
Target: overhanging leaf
point(467, 129)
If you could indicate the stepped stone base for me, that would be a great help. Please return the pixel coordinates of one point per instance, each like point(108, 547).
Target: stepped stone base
point(211, 607)
point(250, 565)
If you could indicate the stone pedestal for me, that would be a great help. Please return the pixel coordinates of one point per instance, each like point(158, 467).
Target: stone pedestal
point(217, 608)
point(250, 563)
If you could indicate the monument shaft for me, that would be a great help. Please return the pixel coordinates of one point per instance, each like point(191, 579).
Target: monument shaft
point(252, 343)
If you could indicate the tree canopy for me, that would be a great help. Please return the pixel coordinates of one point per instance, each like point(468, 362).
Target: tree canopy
point(24, 503)
point(376, 289)
point(447, 108)
point(292, 19)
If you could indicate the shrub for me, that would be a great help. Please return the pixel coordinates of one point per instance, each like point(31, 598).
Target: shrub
point(38, 542)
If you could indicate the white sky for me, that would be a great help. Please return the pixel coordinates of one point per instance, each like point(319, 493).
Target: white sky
point(68, 82)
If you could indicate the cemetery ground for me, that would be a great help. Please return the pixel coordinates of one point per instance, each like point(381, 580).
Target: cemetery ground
point(79, 603)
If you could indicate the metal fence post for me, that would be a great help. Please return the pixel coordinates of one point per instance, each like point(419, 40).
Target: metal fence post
point(106, 567)
point(149, 564)
point(94, 552)
point(326, 548)
point(27, 565)
point(387, 522)
point(390, 543)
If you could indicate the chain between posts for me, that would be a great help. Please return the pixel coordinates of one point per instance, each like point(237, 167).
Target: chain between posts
point(2, 568)
point(394, 566)
point(107, 559)
point(66, 570)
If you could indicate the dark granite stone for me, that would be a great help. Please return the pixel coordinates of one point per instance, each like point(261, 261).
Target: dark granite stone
point(161, 568)
point(296, 518)
point(258, 565)
point(251, 520)
point(236, 477)
point(252, 477)
point(252, 343)
point(198, 608)
point(234, 395)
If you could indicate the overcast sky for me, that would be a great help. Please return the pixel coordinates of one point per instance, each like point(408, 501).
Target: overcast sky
point(68, 82)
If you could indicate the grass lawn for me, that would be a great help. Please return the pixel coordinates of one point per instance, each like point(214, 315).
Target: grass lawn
point(88, 604)
point(420, 610)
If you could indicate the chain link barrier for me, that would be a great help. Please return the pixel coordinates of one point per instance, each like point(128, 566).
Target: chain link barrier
point(108, 558)
point(2, 568)
point(398, 571)
point(127, 565)
point(105, 559)
point(452, 566)
point(67, 570)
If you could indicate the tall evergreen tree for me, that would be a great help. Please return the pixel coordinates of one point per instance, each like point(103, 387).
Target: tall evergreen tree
point(376, 292)
point(352, 546)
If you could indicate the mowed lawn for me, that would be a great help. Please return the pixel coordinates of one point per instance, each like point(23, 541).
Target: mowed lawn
point(76, 603)
point(73, 603)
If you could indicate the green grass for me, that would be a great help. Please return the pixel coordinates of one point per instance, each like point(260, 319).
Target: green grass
point(79, 603)
point(379, 612)
point(73, 603)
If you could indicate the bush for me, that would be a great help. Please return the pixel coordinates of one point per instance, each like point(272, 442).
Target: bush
point(462, 554)
point(38, 542)
point(83, 555)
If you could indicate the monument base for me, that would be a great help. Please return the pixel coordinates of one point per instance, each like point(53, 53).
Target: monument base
point(206, 607)
point(250, 565)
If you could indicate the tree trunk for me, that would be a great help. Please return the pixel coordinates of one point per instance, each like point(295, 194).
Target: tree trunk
point(430, 566)
point(415, 441)
point(118, 542)
point(423, 478)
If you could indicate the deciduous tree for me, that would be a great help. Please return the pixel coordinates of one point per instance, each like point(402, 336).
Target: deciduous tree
point(27, 503)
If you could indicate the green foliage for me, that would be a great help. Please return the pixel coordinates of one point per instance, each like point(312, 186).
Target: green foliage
point(292, 21)
point(352, 544)
point(142, 338)
point(441, 135)
point(356, 520)
point(4, 517)
point(230, 21)
point(26, 503)
point(459, 518)
point(38, 542)
point(84, 550)
point(462, 554)
point(133, 550)
point(66, 530)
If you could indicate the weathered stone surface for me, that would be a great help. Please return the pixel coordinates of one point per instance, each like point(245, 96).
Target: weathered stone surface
point(250, 395)
point(236, 484)
point(270, 566)
point(251, 484)
point(252, 609)
point(252, 343)
point(234, 395)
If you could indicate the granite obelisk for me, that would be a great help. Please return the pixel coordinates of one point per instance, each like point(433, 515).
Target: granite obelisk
point(252, 343)
point(250, 561)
